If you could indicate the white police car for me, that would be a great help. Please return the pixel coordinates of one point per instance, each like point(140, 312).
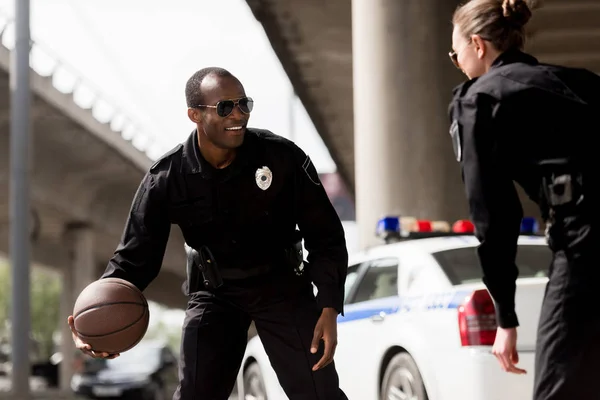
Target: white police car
point(419, 323)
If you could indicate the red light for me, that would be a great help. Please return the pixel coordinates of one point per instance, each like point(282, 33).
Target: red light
point(423, 226)
point(463, 226)
point(477, 320)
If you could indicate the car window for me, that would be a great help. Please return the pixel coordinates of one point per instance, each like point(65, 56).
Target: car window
point(462, 265)
point(425, 278)
point(350, 279)
point(379, 281)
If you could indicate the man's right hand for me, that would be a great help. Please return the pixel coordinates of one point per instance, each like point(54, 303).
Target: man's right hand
point(84, 347)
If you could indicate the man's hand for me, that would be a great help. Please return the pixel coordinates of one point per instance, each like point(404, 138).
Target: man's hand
point(84, 347)
point(325, 329)
point(505, 350)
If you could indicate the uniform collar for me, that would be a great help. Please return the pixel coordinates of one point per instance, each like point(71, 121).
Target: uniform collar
point(194, 162)
point(513, 56)
point(505, 58)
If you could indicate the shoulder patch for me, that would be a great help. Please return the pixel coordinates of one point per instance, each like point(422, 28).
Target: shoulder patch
point(455, 135)
point(311, 171)
point(166, 156)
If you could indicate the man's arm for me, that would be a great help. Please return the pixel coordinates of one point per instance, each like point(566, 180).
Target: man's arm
point(494, 205)
point(139, 255)
point(323, 234)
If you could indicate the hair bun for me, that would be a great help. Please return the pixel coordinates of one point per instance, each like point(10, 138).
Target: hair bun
point(517, 12)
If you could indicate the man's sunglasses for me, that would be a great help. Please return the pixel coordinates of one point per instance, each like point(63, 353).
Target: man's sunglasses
point(225, 107)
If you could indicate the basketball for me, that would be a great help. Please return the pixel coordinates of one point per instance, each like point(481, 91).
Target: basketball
point(111, 315)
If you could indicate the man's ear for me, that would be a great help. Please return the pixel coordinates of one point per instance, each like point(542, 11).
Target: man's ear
point(195, 115)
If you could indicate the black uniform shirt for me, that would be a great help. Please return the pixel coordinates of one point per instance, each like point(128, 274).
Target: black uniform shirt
point(502, 125)
point(242, 224)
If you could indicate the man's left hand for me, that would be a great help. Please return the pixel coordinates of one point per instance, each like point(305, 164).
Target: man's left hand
point(325, 329)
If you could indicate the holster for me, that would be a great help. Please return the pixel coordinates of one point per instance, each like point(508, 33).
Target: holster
point(294, 255)
point(562, 201)
point(202, 271)
point(562, 187)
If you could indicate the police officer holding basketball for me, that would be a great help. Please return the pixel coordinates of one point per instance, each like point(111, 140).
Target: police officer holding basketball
point(519, 120)
point(238, 195)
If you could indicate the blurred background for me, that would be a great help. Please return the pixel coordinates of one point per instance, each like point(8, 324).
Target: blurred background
point(362, 86)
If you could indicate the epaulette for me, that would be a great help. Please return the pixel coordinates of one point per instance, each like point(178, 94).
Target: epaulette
point(166, 156)
point(267, 135)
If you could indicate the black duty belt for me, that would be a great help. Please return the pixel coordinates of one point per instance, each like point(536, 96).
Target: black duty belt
point(243, 273)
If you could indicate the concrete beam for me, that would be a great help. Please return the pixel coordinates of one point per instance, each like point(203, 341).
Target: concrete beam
point(285, 24)
point(64, 104)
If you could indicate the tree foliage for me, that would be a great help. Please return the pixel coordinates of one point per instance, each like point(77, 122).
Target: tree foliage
point(45, 296)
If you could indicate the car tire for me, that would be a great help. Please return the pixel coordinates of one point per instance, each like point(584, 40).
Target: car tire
point(254, 384)
point(156, 392)
point(402, 380)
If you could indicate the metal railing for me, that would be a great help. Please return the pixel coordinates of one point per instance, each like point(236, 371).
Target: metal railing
point(66, 79)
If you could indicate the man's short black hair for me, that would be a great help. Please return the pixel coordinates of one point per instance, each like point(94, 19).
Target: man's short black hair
point(193, 92)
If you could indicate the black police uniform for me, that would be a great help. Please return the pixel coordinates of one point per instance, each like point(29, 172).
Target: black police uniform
point(534, 124)
point(246, 216)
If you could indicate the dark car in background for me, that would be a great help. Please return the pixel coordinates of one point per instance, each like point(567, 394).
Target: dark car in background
point(146, 372)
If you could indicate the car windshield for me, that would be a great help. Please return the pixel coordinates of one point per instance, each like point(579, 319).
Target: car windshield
point(462, 265)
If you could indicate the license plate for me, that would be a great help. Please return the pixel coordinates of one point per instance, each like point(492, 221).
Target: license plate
point(106, 391)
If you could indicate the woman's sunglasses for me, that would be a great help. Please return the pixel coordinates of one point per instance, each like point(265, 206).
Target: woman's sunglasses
point(454, 54)
point(225, 107)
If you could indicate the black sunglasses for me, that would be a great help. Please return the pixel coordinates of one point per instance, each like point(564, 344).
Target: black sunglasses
point(454, 54)
point(225, 107)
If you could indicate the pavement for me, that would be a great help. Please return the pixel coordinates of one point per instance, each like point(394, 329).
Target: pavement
point(39, 391)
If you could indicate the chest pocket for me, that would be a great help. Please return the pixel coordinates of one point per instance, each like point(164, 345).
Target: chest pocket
point(254, 205)
point(191, 213)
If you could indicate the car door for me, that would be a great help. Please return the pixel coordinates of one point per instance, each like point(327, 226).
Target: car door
point(372, 297)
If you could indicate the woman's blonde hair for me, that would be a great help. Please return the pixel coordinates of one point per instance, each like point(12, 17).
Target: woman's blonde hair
point(500, 22)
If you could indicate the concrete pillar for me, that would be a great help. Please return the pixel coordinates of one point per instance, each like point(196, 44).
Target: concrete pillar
point(76, 276)
point(403, 80)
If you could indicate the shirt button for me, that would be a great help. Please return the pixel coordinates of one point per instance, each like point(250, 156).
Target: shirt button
point(233, 241)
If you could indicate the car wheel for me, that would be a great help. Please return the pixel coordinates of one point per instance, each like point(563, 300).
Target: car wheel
point(254, 385)
point(402, 380)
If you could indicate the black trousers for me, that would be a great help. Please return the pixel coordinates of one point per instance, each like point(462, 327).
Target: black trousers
point(568, 340)
point(214, 338)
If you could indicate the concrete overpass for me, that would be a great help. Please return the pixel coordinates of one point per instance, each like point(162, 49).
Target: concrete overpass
point(83, 178)
point(375, 78)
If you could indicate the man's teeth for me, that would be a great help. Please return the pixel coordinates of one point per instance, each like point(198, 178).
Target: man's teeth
point(233, 128)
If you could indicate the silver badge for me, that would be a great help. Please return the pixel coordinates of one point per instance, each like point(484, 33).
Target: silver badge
point(264, 177)
point(456, 140)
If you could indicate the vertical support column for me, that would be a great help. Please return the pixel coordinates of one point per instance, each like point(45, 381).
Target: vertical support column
point(20, 127)
point(67, 348)
point(77, 276)
point(403, 79)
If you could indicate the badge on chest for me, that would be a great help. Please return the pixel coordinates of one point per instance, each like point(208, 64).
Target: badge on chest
point(456, 140)
point(264, 178)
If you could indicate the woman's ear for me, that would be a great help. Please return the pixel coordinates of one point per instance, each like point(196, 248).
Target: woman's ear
point(480, 46)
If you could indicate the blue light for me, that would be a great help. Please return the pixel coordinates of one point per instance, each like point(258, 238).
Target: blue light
point(388, 225)
point(529, 226)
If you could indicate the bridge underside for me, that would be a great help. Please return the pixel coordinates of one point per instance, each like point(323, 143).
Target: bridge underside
point(78, 180)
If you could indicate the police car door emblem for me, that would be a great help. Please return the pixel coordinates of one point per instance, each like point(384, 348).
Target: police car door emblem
point(456, 140)
point(264, 177)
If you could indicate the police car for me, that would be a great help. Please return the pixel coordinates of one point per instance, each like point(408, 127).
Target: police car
point(419, 323)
